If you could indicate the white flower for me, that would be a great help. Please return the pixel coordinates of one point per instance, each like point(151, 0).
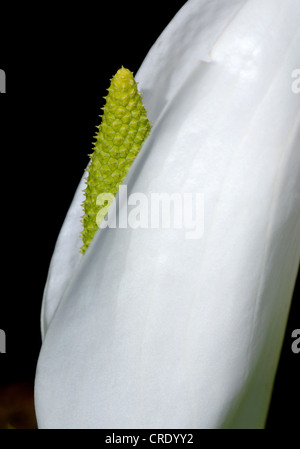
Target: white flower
point(149, 329)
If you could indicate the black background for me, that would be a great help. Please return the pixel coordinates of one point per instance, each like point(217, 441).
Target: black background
point(58, 63)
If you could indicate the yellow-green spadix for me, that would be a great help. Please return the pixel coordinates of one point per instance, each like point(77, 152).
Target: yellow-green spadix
point(123, 129)
point(149, 329)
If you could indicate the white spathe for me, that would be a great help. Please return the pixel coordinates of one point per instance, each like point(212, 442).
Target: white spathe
point(149, 329)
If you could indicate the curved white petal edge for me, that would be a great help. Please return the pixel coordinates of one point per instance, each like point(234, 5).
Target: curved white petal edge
point(150, 329)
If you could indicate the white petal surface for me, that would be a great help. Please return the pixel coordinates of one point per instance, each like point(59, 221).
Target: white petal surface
point(150, 329)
